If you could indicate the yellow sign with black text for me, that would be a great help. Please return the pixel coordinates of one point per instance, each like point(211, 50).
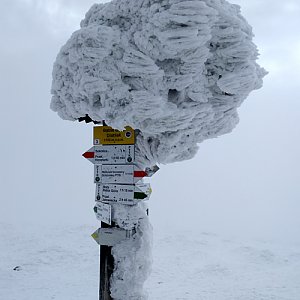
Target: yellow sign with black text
point(106, 135)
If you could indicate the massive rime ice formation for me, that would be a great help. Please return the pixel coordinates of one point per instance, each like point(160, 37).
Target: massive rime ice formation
point(176, 70)
point(132, 257)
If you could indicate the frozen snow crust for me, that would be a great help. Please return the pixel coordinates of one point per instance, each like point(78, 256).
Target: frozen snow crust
point(175, 70)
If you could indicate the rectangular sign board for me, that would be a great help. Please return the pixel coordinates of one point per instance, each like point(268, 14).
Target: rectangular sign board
point(123, 194)
point(109, 154)
point(103, 212)
point(115, 193)
point(105, 135)
point(125, 174)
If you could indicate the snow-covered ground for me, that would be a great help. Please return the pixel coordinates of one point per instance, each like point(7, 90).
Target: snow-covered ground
point(62, 264)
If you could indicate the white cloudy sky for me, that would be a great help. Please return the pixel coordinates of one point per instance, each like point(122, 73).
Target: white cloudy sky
point(246, 182)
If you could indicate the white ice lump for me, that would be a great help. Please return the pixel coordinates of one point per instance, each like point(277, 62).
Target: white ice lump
point(177, 70)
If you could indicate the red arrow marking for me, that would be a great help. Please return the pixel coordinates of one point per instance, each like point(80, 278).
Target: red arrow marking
point(140, 174)
point(89, 154)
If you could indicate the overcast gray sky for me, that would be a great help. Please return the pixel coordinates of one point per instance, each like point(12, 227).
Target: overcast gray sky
point(246, 182)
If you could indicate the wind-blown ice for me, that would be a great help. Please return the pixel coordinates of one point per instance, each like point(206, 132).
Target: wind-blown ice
point(175, 70)
point(133, 258)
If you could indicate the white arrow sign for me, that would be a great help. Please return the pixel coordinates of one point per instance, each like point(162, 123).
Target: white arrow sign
point(111, 236)
point(125, 174)
point(124, 194)
point(110, 154)
point(103, 212)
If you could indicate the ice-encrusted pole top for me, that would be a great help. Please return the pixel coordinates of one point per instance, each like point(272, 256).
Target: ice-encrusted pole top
point(176, 70)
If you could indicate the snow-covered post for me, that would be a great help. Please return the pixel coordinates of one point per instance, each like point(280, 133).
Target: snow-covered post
point(119, 195)
point(175, 70)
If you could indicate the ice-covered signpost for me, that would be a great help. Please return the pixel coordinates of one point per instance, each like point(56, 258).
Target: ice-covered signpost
point(175, 71)
point(117, 182)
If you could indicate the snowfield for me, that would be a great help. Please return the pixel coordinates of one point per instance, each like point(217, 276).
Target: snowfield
point(62, 264)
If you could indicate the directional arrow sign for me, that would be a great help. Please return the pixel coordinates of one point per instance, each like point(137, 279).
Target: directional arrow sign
point(103, 212)
point(111, 236)
point(125, 174)
point(143, 188)
point(124, 194)
point(117, 154)
point(106, 135)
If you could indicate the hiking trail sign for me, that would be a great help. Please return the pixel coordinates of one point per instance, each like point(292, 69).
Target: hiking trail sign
point(118, 181)
point(111, 236)
point(124, 174)
point(103, 212)
point(105, 135)
point(110, 154)
point(122, 194)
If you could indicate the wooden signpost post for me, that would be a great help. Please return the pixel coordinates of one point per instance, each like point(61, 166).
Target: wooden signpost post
point(117, 181)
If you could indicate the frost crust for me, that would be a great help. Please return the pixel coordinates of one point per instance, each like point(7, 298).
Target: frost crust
point(176, 70)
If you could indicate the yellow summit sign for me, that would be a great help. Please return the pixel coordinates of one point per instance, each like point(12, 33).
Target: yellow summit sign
point(106, 135)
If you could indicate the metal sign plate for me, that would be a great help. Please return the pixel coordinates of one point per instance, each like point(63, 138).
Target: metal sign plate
point(111, 236)
point(125, 174)
point(115, 193)
point(114, 174)
point(117, 154)
point(103, 212)
point(105, 135)
point(122, 194)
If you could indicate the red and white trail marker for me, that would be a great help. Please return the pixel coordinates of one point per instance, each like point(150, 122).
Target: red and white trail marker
point(110, 154)
point(124, 174)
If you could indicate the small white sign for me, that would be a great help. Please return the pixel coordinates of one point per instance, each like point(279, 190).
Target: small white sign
point(110, 154)
point(115, 174)
point(115, 193)
point(111, 236)
point(103, 212)
point(123, 193)
point(116, 154)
